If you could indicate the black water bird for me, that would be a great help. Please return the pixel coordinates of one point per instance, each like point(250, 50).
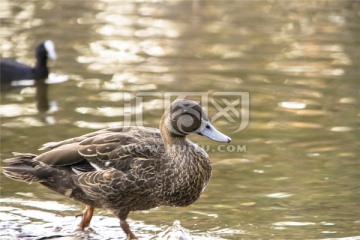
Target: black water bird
point(127, 169)
point(11, 70)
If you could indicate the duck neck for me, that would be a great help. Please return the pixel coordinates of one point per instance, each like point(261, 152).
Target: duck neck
point(174, 144)
point(41, 73)
point(177, 147)
point(41, 69)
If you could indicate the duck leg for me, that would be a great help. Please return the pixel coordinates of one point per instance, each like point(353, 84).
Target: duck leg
point(125, 227)
point(86, 216)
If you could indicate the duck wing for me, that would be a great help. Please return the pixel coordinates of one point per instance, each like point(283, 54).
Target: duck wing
point(109, 148)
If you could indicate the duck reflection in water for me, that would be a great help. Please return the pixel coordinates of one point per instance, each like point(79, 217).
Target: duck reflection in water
point(127, 169)
point(13, 72)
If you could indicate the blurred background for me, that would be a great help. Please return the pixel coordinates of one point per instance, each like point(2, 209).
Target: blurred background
point(297, 176)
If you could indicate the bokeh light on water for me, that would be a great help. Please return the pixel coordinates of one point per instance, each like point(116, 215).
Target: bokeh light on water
point(299, 177)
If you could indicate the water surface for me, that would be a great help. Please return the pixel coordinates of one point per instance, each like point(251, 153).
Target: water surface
point(296, 175)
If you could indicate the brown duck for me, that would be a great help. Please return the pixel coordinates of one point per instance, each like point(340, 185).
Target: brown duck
point(126, 169)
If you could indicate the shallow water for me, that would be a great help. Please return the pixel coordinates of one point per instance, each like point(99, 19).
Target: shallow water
point(291, 173)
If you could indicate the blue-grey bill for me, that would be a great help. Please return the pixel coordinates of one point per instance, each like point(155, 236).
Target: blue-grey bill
point(210, 132)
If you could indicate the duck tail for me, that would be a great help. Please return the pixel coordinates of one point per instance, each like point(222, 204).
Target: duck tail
point(22, 168)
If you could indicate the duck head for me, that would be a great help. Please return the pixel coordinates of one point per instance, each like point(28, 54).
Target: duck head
point(46, 50)
point(184, 117)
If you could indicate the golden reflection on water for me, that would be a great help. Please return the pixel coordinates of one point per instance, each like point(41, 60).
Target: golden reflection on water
point(128, 39)
point(13, 110)
point(307, 58)
point(18, 45)
point(297, 59)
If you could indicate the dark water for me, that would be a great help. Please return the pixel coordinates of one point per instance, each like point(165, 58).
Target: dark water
point(292, 173)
